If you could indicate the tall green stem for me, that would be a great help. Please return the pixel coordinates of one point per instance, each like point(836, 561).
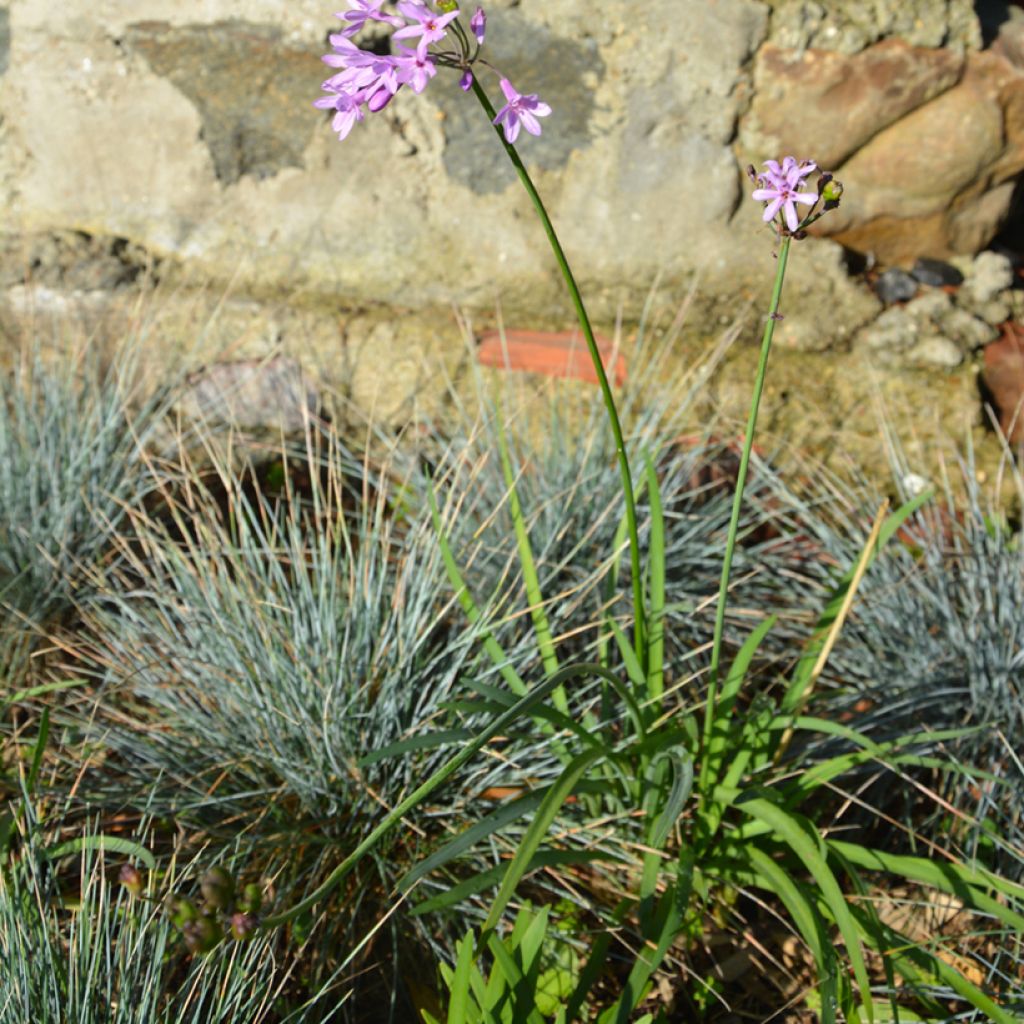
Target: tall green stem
point(737, 501)
point(639, 620)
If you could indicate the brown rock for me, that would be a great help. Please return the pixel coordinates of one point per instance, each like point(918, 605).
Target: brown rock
point(1003, 380)
point(821, 104)
point(938, 181)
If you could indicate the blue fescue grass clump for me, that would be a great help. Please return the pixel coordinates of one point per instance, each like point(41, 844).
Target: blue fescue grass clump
point(72, 438)
point(76, 946)
point(937, 644)
point(259, 651)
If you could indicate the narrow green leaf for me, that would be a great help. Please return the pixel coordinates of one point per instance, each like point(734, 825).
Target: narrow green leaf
point(38, 751)
point(115, 844)
point(656, 608)
point(801, 675)
point(808, 923)
point(553, 801)
point(426, 741)
point(795, 833)
point(462, 593)
point(486, 826)
point(459, 1000)
point(534, 597)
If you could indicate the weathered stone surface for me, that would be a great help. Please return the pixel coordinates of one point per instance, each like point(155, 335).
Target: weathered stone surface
point(247, 84)
point(928, 331)
point(271, 396)
point(5, 38)
point(848, 26)
point(826, 105)
point(938, 181)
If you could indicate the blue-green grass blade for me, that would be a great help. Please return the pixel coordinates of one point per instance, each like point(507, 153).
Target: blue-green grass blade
point(802, 673)
point(462, 593)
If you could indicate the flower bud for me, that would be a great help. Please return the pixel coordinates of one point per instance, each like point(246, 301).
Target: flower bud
point(242, 926)
point(202, 935)
point(218, 888)
point(181, 911)
point(251, 899)
point(832, 192)
point(131, 878)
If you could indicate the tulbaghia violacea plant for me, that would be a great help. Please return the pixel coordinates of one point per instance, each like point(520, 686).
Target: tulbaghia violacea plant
point(366, 82)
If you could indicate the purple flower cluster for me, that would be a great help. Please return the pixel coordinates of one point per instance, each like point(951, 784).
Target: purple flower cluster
point(779, 189)
point(366, 82)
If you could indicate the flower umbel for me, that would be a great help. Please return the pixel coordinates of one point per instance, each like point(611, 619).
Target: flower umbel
point(366, 81)
point(779, 189)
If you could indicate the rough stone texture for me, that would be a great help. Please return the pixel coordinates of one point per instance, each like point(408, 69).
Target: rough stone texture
point(940, 180)
point(5, 39)
point(827, 105)
point(271, 396)
point(181, 135)
point(848, 26)
point(246, 83)
point(930, 330)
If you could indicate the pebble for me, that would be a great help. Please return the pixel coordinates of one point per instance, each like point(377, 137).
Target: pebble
point(936, 273)
point(936, 350)
point(895, 285)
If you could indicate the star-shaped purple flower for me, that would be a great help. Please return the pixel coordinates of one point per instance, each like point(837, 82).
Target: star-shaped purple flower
point(779, 189)
point(430, 27)
point(520, 110)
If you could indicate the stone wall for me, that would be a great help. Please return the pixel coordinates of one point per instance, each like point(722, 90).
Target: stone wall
point(183, 132)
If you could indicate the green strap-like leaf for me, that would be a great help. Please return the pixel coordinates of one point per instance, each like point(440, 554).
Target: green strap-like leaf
point(656, 588)
point(541, 626)
point(553, 801)
point(795, 833)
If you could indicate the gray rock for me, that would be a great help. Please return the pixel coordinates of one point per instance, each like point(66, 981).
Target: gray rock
point(936, 273)
point(848, 26)
point(893, 333)
point(268, 396)
point(895, 285)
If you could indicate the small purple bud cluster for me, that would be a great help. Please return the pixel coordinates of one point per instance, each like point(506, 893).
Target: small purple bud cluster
point(779, 187)
point(366, 82)
point(223, 910)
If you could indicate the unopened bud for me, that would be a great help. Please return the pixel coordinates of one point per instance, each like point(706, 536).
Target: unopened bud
point(131, 878)
point(832, 192)
point(242, 926)
point(218, 888)
point(202, 935)
point(251, 899)
point(181, 911)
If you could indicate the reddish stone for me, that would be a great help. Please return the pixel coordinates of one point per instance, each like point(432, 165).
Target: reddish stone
point(1003, 377)
point(552, 353)
point(826, 105)
point(940, 180)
